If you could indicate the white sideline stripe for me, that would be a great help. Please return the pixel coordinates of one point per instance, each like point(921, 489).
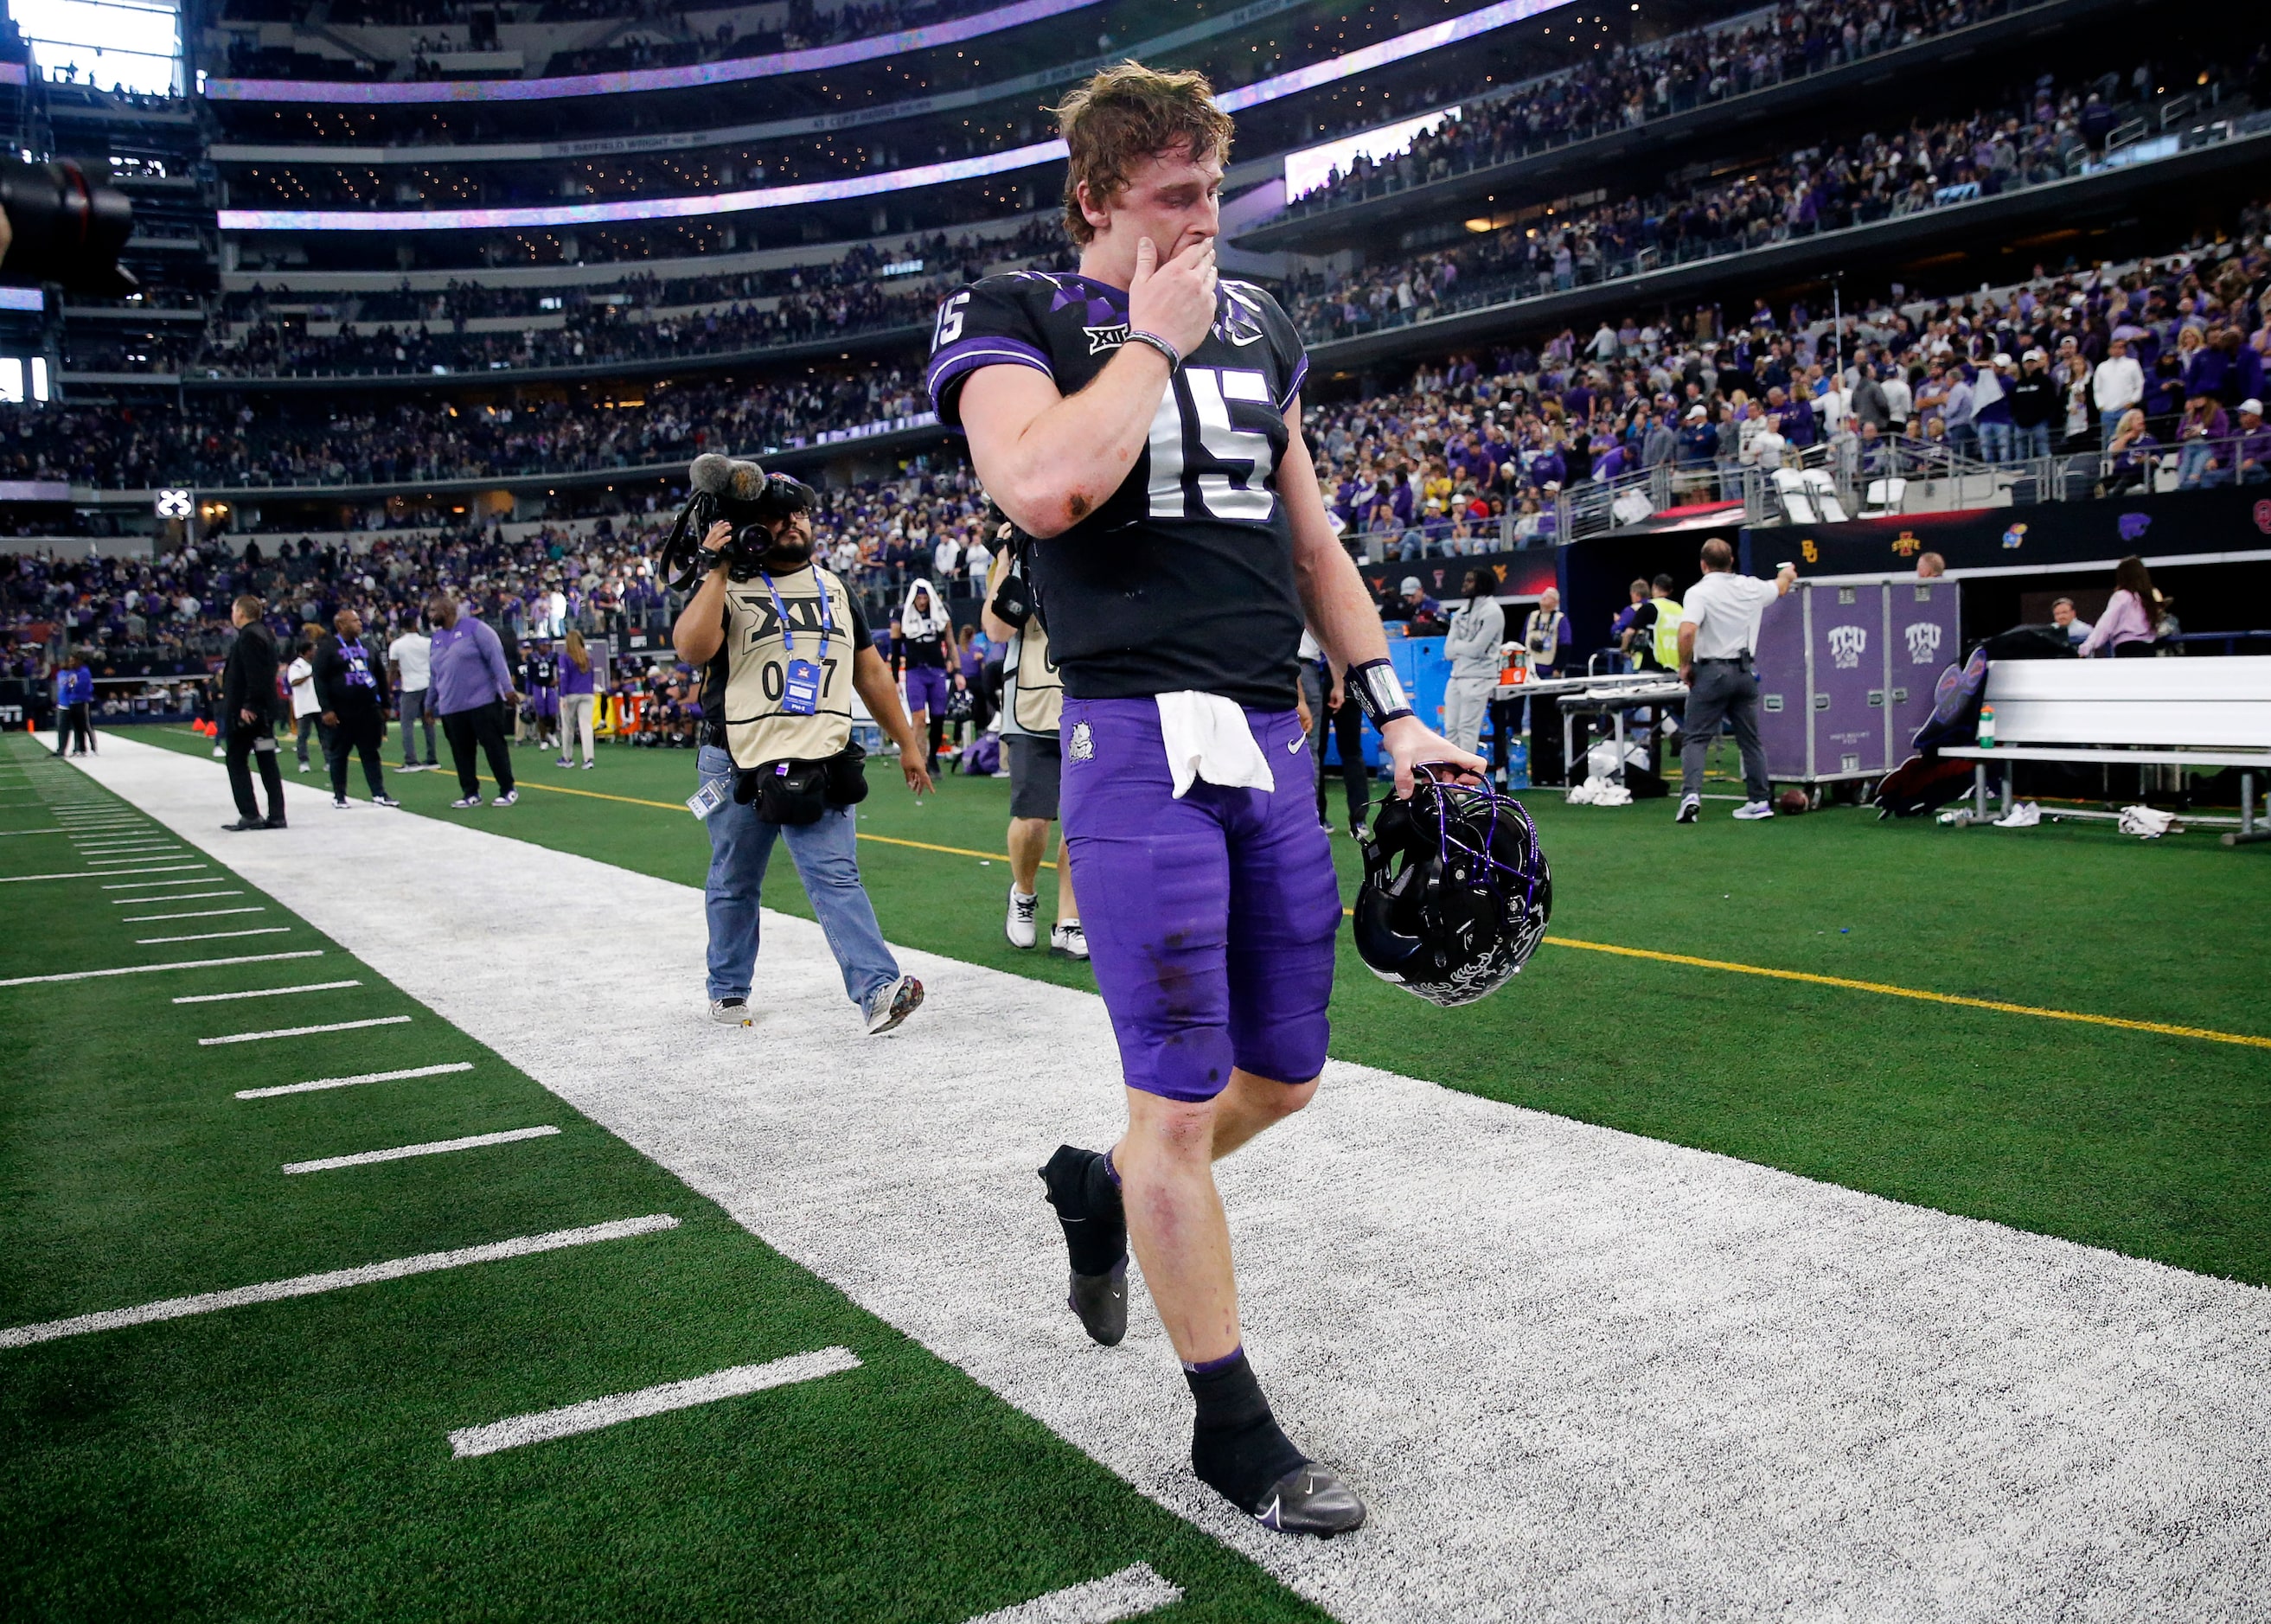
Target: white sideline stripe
point(178, 963)
point(368, 1076)
point(213, 935)
point(194, 914)
point(1128, 1594)
point(105, 874)
point(302, 1031)
point(144, 902)
point(153, 885)
point(593, 1414)
point(1679, 1385)
point(265, 992)
point(331, 1280)
point(436, 1147)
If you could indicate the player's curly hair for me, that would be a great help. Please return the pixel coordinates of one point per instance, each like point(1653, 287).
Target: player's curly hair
point(1125, 114)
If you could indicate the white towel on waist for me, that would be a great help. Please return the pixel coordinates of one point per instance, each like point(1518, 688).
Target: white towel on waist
point(1207, 737)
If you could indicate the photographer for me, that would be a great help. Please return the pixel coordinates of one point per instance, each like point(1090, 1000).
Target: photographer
point(775, 634)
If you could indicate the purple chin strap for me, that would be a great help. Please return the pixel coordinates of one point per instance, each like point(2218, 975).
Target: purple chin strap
point(1447, 842)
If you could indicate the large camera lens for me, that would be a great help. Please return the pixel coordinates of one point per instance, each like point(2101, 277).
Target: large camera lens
point(67, 225)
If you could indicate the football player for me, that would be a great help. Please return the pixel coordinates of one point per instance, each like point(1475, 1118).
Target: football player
point(1141, 419)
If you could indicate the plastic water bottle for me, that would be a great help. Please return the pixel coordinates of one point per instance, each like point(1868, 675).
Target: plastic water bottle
point(1517, 764)
point(1986, 726)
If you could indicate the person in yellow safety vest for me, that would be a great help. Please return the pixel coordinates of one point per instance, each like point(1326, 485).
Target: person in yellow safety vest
point(1657, 642)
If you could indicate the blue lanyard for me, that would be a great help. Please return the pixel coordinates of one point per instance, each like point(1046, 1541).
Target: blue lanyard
point(780, 611)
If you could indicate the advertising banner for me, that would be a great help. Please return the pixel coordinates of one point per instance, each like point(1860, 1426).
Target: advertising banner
point(2176, 525)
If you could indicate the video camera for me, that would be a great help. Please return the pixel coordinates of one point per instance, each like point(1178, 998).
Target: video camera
point(745, 497)
point(66, 223)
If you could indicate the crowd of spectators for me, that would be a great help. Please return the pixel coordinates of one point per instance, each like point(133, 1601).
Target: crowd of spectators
point(527, 581)
point(1632, 85)
point(637, 318)
point(1821, 188)
point(2112, 370)
point(148, 445)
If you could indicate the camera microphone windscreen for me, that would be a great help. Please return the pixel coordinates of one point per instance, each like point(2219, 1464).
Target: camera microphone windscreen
point(712, 472)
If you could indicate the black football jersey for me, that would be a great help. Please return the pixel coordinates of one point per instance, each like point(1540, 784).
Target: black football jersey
point(542, 671)
point(1183, 578)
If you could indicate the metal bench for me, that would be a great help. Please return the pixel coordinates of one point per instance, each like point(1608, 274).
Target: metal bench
point(2196, 712)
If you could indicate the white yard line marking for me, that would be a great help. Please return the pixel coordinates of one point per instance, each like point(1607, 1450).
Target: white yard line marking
point(594, 1413)
point(194, 914)
point(1128, 1594)
point(303, 1031)
point(213, 935)
point(436, 1147)
point(1675, 1383)
point(101, 873)
point(144, 902)
point(368, 1076)
point(98, 862)
point(178, 963)
point(332, 1280)
point(88, 848)
point(14, 833)
point(265, 992)
point(152, 885)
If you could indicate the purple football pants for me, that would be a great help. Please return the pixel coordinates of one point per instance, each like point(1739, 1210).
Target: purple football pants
point(926, 689)
point(1210, 920)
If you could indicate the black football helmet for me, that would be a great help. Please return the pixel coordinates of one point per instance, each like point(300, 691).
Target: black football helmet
point(1456, 893)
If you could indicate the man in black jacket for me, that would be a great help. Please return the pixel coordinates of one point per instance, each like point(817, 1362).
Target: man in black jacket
point(2036, 399)
point(248, 689)
point(351, 686)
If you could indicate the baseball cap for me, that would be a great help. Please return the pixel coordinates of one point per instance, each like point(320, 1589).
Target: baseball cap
point(1696, 412)
point(2002, 358)
point(2255, 407)
point(1410, 584)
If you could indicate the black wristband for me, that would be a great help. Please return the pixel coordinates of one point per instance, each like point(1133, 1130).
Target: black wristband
point(1379, 691)
point(1167, 351)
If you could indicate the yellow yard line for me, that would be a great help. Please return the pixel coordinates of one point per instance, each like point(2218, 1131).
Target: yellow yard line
point(1888, 990)
point(680, 806)
point(1883, 989)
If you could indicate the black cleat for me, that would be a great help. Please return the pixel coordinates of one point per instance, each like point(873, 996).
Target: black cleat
point(1311, 1500)
point(1088, 1208)
point(1100, 1301)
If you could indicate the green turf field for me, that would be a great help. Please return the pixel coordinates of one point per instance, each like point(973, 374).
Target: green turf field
point(2143, 1142)
point(291, 1459)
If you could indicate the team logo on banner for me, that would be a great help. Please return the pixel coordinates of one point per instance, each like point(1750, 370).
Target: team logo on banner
point(1907, 545)
point(1846, 643)
point(2015, 536)
point(1924, 643)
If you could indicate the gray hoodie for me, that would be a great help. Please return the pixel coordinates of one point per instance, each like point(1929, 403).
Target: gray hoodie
point(1477, 630)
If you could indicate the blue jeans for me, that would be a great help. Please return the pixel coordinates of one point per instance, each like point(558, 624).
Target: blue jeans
point(1994, 442)
point(2108, 424)
point(2031, 442)
point(827, 858)
point(2193, 471)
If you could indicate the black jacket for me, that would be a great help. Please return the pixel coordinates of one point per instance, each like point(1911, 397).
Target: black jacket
point(247, 680)
point(335, 693)
point(2034, 398)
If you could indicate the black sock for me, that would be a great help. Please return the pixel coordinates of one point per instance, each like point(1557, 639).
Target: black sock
point(1237, 1448)
point(1087, 1199)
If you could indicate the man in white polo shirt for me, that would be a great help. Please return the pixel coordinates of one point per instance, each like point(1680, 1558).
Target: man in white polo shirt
point(1718, 629)
point(412, 654)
